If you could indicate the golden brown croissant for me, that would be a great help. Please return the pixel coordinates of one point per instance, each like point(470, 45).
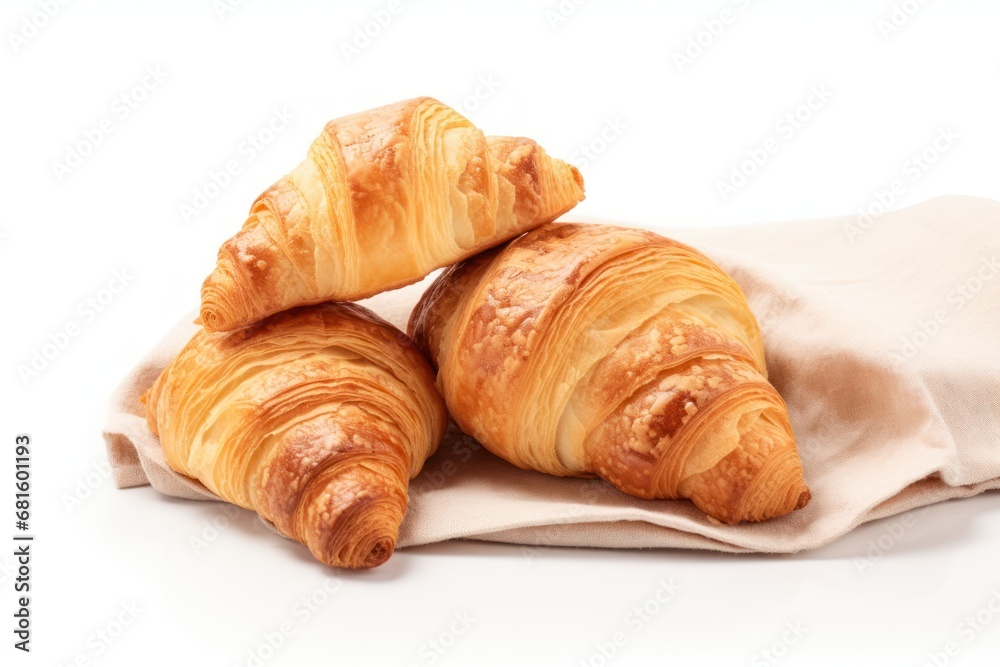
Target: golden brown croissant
point(384, 197)
point(317, 418)
point(583, 350)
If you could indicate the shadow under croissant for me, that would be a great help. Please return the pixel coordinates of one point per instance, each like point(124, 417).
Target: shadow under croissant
point(348, 512)
point(252, 526)
point(943, 523)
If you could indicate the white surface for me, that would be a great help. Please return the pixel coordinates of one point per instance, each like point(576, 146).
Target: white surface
point(683, 131)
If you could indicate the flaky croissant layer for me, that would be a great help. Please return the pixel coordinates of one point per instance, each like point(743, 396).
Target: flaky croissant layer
point(584, 350)
point(317, 418)
point(383, 198)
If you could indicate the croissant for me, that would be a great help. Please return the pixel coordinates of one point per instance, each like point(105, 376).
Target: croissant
point(592, 350)
point(384, 197)
point(317, 418)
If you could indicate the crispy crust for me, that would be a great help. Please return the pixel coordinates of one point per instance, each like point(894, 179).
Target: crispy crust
point(384, 197)
point(585, 350)
point(317, 418)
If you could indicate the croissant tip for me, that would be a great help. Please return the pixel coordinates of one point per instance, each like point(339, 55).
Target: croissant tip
point(379, 553)
point(221, 300)
point(210, 318)
point(578, 179)
point(363, 555)
point(803, 500)
point(352, 528)
point(213, 313)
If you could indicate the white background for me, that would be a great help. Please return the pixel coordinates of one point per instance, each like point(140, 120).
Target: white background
point(680, 130)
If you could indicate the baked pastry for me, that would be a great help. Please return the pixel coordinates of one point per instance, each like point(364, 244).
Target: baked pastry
point(583, 350)
point(317, 418)
point(384, 197)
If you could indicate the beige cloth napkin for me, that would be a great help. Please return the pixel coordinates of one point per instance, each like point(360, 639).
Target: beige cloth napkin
point(882, 334)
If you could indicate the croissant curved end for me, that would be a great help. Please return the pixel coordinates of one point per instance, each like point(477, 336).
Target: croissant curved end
point(778, 488)
point(759, 480)
point(364, 536)
point(354, 520)
point(217, 304)
point(577, 177)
